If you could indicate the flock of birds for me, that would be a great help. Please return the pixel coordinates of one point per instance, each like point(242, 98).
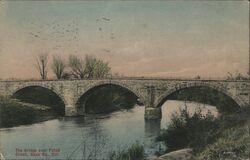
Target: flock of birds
point(61, 34)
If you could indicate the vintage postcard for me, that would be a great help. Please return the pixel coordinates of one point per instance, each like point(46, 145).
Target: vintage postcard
point(124, 80)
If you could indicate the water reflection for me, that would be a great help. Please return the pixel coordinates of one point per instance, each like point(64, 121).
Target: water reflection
point(78, 137)
point(152, 131)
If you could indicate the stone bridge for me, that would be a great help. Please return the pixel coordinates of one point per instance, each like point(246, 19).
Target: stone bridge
point(151, 92)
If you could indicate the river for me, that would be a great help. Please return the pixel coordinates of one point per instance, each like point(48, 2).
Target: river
point(76, 138)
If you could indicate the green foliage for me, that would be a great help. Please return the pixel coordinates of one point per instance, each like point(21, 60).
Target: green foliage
point(209, 96)
point(135, 152)
point(234, 143)
point(232, 138)
point(225, 137)
point(186, 130)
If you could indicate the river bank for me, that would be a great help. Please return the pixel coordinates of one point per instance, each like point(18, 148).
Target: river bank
point(231, 140)
point(226, 137)
point(234, 143)
point(14, 113)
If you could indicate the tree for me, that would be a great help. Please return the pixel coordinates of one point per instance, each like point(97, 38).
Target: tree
point(101, 69)
point(236, 76)
point(96, 68)
point(41, 64)
point(230, 76)
point(90, 66)
point(58, 67)
point(77, 66)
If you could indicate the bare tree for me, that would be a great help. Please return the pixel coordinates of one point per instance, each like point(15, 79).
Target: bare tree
point(102, 69)
point(230, 76)
point(58, 67)
point(41, 64)
point(77, 66)
point(90, 66)
point(236, 76)
point(96, 68)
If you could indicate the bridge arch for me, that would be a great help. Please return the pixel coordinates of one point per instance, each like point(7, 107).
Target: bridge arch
point(95, 86)
point(108, 82)
point(44, 86)
point(162, 99)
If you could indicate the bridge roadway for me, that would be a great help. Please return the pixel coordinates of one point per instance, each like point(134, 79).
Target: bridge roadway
point(152, 92)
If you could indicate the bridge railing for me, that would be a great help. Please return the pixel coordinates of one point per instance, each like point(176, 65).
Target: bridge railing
point(131, 78)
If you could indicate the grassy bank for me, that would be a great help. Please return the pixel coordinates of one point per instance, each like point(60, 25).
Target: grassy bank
point(224, 137)
point(232, 140)
point(233, 143)
point(14, 113)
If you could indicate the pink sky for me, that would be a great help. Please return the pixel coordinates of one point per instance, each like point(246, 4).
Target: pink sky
point(162, 39)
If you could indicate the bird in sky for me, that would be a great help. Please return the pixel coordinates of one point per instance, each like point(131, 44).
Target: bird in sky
point(106, 19)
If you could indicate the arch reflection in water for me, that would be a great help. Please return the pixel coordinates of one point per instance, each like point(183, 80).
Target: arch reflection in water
point(119, 129)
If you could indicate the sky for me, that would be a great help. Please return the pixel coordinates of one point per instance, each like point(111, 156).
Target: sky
point(137, 38)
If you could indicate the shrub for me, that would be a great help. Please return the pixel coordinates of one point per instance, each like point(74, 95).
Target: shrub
point(186, 130)
point(135, 152)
